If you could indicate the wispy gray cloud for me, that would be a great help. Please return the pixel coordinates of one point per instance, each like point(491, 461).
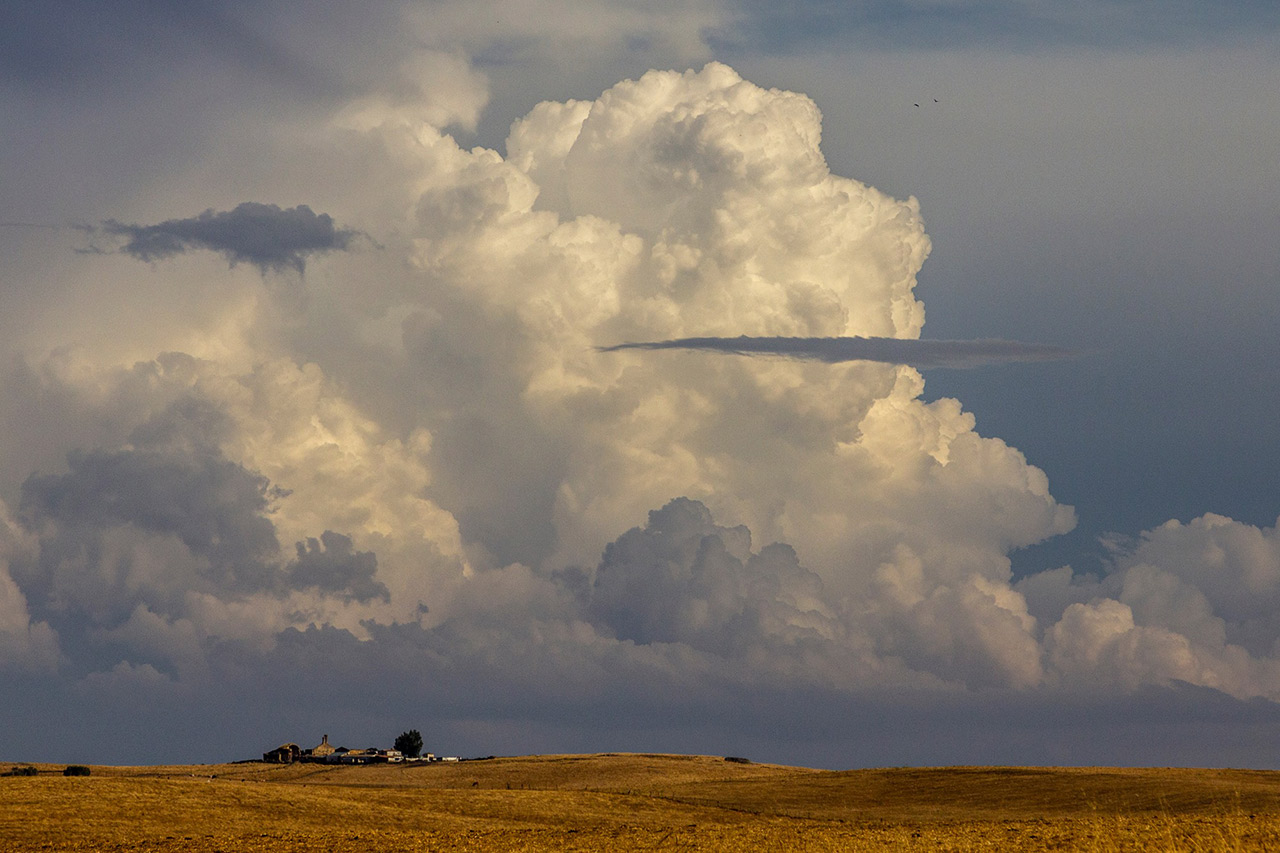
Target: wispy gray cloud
point(265, 235)
point(922, 354)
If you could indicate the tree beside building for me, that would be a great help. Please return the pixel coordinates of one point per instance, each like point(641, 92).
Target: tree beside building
point(409, 743)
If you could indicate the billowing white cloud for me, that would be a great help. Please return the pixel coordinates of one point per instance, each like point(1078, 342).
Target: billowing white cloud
point(426, 474)
point(1188, 602)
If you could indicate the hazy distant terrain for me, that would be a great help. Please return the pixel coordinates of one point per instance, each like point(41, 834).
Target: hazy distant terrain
point(595, 802)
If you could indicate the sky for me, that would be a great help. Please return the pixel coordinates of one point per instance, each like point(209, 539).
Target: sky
point(315, 415)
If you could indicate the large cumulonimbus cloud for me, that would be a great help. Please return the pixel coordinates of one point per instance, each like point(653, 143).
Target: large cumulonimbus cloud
point(921, 354)
point(265, 235)
point(426, 483)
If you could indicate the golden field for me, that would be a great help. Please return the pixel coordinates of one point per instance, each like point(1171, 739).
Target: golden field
point(635, 802)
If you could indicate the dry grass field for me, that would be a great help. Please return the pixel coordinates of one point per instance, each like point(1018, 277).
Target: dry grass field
point(635, 802)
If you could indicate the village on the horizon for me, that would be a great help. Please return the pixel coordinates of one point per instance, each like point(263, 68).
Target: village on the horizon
point(326, 753)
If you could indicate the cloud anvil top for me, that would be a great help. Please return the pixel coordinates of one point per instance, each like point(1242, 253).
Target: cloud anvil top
point(915, 352)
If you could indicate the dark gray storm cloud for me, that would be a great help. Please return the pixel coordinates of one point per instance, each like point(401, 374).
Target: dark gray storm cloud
point(921, 354)
point(331, 564)
point(683, 579)
point(265, 235)
point(214, 506)
point(130, 545)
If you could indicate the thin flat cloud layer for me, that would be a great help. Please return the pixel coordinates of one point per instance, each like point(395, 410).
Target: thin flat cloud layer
point(917, 353)
point(265, 235)
point(424, 493)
